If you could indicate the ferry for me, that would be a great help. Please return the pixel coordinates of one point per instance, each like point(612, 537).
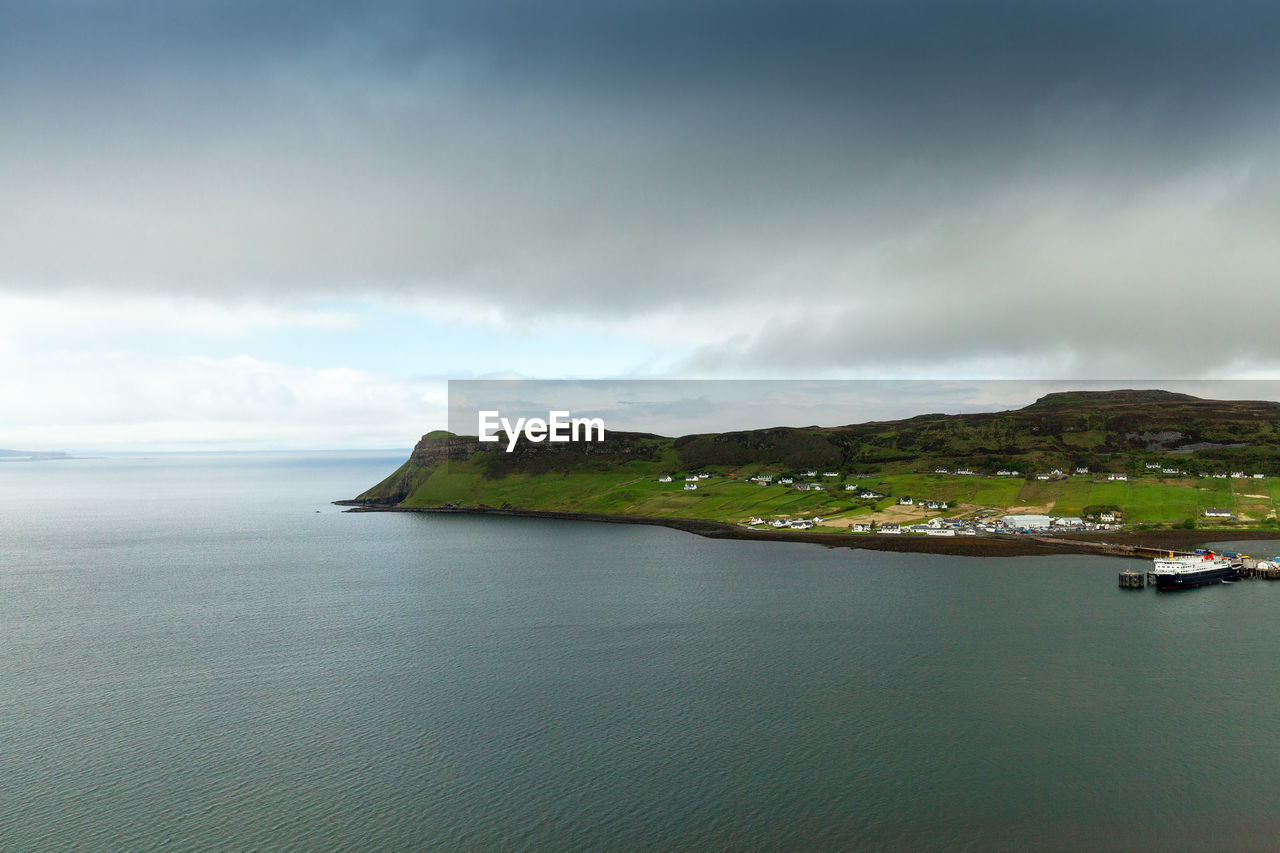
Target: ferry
point(1187, 572)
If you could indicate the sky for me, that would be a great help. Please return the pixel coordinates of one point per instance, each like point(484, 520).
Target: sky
point(288, 224)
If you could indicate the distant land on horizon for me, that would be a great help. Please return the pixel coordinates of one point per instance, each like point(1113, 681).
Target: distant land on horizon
point(1149, 457)
point(20, 455)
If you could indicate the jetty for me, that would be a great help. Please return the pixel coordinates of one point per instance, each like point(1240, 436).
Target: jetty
point(1132, 579)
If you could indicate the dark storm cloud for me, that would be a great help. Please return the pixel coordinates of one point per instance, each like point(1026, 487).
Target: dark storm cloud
point(584, 159)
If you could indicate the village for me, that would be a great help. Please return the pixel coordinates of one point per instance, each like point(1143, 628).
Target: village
point(879, 511)
point(958, 526)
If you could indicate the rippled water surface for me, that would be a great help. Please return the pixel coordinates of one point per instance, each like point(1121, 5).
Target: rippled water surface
point(200, 653)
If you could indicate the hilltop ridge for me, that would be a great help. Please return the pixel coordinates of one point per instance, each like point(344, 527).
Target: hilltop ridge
point(1123, 397)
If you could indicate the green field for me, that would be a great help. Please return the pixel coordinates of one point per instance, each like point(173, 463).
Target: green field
point(729, 496)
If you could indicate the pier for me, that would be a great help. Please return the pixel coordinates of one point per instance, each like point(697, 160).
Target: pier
point(1132, 579)
point(1271, 573)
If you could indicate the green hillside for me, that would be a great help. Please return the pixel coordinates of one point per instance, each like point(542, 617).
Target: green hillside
point(1109, 433)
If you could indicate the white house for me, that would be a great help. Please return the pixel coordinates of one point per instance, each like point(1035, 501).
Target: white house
point(830, 474)
point(1107, 516)
point(940, 531)
point(1170, 471)
point(704, 476)
point(861, 527)
point(756, 521)
point(905, 502)
point(890, 527)
point(941, 471)
point(801, 525)
point(851, 487)
point(691, 479)
point(1082, 470)
point(1238, 475)
point(808, 473)
point(1258, 476)
point(786, 481)
point(1217, 512)
point(665, 478)
point(689, 487)
point(1153, 466)
point(870, 496)
point(1042, 476)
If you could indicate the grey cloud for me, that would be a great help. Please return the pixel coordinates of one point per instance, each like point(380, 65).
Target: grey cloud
point(580, 159)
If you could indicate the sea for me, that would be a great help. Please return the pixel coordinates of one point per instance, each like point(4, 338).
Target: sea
point(200, 652)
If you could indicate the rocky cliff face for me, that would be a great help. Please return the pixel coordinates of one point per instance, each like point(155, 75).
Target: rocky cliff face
point(433, 449)
point(438, 448)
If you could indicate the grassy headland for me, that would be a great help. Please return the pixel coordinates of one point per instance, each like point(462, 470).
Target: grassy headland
point(1177, 454)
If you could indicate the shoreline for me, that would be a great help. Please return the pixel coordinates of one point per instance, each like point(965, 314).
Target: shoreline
point(1130, 545)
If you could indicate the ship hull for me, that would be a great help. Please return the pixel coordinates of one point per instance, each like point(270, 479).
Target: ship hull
point(1191, 580)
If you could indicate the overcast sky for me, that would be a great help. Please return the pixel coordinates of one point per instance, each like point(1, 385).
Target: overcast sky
point(286, 224)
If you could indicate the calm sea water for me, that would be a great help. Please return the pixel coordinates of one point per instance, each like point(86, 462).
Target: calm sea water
point(194, 658)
